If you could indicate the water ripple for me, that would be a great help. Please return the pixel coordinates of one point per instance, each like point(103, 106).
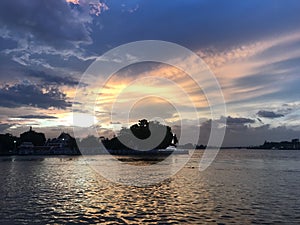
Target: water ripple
point(237, 189)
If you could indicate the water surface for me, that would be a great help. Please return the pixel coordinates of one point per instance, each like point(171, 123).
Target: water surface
point(240, 187)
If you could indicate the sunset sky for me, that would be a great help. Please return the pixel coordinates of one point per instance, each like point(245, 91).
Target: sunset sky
point(252, 47)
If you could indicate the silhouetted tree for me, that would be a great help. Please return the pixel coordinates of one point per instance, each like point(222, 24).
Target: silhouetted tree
point(160, 135)
point(8, 143)
point(141, 130)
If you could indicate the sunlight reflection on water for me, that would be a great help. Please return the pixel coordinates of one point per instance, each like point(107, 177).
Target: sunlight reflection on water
point(239, 187)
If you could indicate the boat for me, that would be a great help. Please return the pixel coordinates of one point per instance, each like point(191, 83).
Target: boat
point(173, 150)
point(171, 147)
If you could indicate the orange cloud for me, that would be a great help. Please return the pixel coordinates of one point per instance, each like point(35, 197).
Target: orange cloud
point(76, 2)
point(126, 87)
point(243, 61)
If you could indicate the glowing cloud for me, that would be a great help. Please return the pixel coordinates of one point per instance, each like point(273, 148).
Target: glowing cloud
point(76, 2)
point(94, 6)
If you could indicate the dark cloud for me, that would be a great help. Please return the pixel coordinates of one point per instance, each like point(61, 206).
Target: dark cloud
point(269, 114)
point(47, 78)
point(36, 117)
point(25, 94)
point(239, 134)
point(242, 134)
point(246, 135)
point(238, 120)
point(51, 22)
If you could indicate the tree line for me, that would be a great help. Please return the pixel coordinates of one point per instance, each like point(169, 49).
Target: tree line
point(145, 135)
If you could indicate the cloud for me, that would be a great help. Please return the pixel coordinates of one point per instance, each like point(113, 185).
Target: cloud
point(252, 74)
point(256, 80)
point(95, 7)
point(52, 79)
point(200, 24)
point(75, 2)
point(30, 95)
point(52, 22)
point(50, 43)
point(4, 126)
point(269, 114)
point(36, 117)
point(48, 27)
point(240, 133)
point(238, 120)
point(246, 135)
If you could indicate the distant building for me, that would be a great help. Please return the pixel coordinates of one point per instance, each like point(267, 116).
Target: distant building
point(63, 144)
point(283, 145)
point(296, 143)
point(37, 139)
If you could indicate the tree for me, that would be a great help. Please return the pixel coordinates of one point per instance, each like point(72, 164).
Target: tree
point(141, 135)
point(8, 143)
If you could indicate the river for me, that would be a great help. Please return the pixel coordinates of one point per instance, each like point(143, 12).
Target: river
point(239, 187)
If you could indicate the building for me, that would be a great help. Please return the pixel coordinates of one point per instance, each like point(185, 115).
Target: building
point(64, 144)
point(37, 139)
point(283, 145)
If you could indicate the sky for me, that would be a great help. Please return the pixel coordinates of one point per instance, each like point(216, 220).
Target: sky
point(252, 48)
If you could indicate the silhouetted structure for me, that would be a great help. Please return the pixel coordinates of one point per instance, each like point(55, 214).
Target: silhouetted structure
point(8, 144)
point(294, 144)
point(161, 135)
point(37, 139)
point(33, 143)
point(63, 144)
